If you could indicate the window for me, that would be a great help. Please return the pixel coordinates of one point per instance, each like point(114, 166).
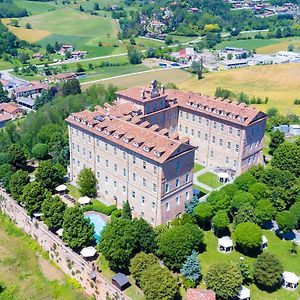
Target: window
point(199, 120)
point(73, 161)
point(124, 172)
point(78, 163)
point(220, 142)
point(90, 154)
point(106, 179)
point(106, 163)
point(115, 151)
point(144, 165)
point(98, 159)
point(115, 184)
point(152, 220)
point(154, 187)
point(193, 118)
point(206, 137)
point(83, 151)
point(213, 139)
point(199, 134)
point(98, 174)
point(180, 127)
point(133, 176)
point(186, 130)
point(72, 130)
point(187, 177)
point(106, 146)
point(228, 145)
point(167, 187)
point(124, 155)
point(97, 142)
point(222, 128)
point(144, 182)
point(153, 205)
point(76, 132)
point(192, 131)
point(177, 182)
point(207, 123)
point(167, 206)
point(73, 146)
point(142, 214)
point(215, 125)
point(230, 130)
point(227, 160)
point(177, 200)
point(187, 116)
point(234, 163)
point(115, 167)
point(133, 160)
point(238, 132)
point(78, 148)
point(143, 200)
point(211, 153)
point(187, 195)
point(89, 138)
point(124, 189)
point(133, 194)
point(237, 148)
point(181, 114)
point(178, 165)
point(154, 170)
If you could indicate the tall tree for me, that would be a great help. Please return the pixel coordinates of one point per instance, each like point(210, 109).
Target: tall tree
point(139, 263)
point(17, 156)
point(34, 194)
point(71, 87)
point(87, 182)
point(53, 210)
point(267, 270)
point(3, 94)
point(286, 221)
point(177, 242)
point(204, 213)
point(17, 182)
point(277, 138)
point(127, 211)
point(220, 221)
point(158, 283)
point(48, 175)
point(225, 279)
point(78, 232)
point(191, 269)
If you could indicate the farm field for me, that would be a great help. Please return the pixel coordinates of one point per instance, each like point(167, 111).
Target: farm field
point(280, 83)
point(275, 246)
point(263, 46)
point(35, 7)
point(22, 267)
point(165, 76)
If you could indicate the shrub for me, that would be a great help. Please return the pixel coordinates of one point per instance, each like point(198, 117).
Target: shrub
point(100, 207)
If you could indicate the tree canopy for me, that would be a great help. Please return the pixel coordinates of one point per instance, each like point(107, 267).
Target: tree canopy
point(87, 182)
point(286, 221)
point(17, 182)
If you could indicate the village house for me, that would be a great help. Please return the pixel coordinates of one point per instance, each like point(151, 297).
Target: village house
point(65, 48)
point(8, 112)
point(61, 77)
point(32, 89)
point(235, 53)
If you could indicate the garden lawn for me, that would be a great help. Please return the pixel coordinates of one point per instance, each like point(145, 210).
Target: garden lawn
point(198, 167)
point(20, 270)
point(36, 7)
point(209, 179)
point(275, 245)
point(280, 83)
point(73, 191)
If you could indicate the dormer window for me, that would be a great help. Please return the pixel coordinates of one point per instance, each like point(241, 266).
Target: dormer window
point(201, 107)
point(242, 119)
point(106, 132)
point(135, 144)
point(195, 105)
point(125, 139)
point(146, 149)
point(116, 135)
point(90, 125)
point(188, 103)
point(156, 153)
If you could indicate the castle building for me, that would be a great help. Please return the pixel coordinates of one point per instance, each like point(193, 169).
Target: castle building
point(143, 147)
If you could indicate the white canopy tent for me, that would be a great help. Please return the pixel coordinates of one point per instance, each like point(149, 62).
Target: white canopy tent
point(244, 293)
point(84, 200)
point(289, 280)
point(88, 252)
point(223, 177)
point(225, 244)
point(61, 188)
point(59, 232)
point(264, 243)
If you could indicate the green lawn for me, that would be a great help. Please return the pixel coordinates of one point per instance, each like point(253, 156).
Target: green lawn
point(198, 167)
point(73, 191)
point(275, 245)
point(20, 271)
point(209, 179)
point(36, 7)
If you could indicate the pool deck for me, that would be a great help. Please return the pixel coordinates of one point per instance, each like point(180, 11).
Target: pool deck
point(103, 216)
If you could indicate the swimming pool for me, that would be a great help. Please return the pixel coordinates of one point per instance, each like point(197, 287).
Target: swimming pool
point(98, 222)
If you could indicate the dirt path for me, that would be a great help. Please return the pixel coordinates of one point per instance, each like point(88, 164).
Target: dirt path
point(49, 271)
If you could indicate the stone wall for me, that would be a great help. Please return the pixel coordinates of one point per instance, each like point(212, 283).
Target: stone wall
point(69, 262)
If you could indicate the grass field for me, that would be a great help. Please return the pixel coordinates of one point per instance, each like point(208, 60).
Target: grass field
point(36, 7)
point(20, 271)
point(209, 179)
point(263, 46)
point(280, 83)
point(165, 76)
point(275, 245)
point(198, 168)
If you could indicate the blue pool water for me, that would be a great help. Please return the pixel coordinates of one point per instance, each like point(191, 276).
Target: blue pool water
point(98, 222)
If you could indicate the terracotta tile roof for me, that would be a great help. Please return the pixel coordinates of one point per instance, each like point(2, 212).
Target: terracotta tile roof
point(4, 82)
point(64, 75)
point(221, 108)
point(132, 136)
point(199, 294)
point(5, 117)
point(9, 107)
point(31, 87)
point(140, 94)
